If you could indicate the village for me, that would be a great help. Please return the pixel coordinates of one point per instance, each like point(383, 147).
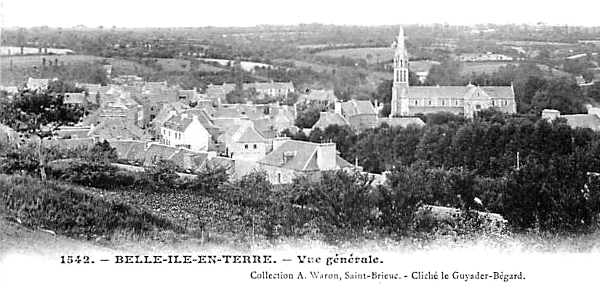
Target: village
point(251, 150)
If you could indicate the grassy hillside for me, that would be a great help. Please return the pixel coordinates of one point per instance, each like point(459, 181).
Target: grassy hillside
point(76, 212)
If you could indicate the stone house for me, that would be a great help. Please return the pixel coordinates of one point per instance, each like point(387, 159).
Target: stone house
point(291, 158)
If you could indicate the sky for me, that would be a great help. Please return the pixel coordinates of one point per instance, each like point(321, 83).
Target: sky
point(201, 13)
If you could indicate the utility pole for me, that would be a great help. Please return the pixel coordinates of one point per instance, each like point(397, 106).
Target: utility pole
point(518, 161)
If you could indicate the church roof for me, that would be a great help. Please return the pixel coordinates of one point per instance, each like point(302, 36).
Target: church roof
point(458, 92)
point(402, 122)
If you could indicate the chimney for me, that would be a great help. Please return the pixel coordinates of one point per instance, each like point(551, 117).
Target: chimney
point(550, 115)
point(326, 156)
point(277, 142)
point(338, 108)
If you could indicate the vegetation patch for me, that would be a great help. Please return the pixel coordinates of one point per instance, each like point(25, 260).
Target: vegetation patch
point(74, 211)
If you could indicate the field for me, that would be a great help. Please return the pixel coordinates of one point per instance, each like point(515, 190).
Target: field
point(422, 65)
point(371, 55)
point(490, 67)
point(246, 65)
point(16, 69)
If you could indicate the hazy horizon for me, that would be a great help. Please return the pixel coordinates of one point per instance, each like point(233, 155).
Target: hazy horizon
point(237, 13)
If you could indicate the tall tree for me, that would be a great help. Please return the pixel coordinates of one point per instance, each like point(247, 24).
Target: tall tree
point(38, 114)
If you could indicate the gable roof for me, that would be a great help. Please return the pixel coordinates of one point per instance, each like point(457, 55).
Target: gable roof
point(117, 128)
point(188, 159)
point(327, 119)
point(301, 156)
point(358, 107)
point(158, 151)
point(250, 135)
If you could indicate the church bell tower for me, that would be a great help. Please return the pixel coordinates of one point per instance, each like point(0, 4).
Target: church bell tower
point(399, 104)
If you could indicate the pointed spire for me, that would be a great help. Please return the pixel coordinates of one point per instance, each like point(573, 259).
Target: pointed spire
point(400, 48)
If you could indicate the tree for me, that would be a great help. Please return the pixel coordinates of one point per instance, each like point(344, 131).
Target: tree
point(38, 114)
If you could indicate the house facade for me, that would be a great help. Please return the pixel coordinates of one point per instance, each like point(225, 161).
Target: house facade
point(185, 131)
point(460, 100)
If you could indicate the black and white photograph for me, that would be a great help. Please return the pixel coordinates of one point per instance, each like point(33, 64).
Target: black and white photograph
point(315, 142)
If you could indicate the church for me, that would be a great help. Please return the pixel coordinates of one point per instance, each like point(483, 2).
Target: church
point(459, 100)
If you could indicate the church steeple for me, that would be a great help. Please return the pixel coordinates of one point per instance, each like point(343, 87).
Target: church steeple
point(400, 60)
point(399, 104)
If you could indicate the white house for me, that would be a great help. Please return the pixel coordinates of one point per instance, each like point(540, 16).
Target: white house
point(185, 131)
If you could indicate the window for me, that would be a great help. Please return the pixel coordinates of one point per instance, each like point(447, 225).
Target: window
point(279, 178)
point(246, 146)
point(429, 102)
point(505, 102)
point(443, 102)
point(254, 146)
point(493, 103)
point(416, 102)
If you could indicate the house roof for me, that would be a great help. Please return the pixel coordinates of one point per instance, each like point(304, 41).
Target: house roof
point(121, 128)
point(298, 156)
point(74, 98)
point(327, 119)
point(356, 107)
point(203, 118)
point(319, 95)
point(178, 122)
point(227, 113)
point(269, 85)
point(250, 135)
point(583, 121)
point(242, 132)
point(158, 151)
point(188, 159)
point(128, 148)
